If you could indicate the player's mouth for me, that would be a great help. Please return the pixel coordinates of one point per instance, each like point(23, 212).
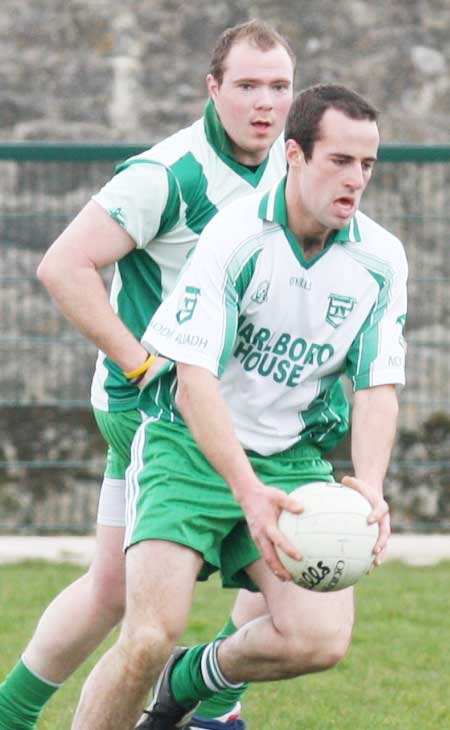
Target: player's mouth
point(344, 206)
point(261, 125)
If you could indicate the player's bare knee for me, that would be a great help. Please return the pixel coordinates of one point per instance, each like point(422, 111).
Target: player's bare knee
point(318, 649)
point(334, 644)
point(145, 647)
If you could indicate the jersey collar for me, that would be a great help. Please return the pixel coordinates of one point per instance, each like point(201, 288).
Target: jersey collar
point(273, 208)
point(221, 144)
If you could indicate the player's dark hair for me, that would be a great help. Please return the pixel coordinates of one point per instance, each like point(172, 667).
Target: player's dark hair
point(309, 106)
point(257, 32)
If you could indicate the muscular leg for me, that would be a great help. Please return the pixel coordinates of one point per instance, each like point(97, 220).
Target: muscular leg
point(227, 703)
point(160, 583)
point(80, 617)
point(303, 632)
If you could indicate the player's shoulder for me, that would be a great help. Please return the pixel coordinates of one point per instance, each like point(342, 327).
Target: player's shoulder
point(235, 225)
point(378, 240)
point(174, 147)
point(239, 215)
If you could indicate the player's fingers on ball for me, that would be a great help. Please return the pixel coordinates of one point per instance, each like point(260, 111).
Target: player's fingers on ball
point(282, 542)
point(279, 540)
point(380, 558)
point(293, 504)
point(383, 537)
point(286, 501)
point(379, 512)
point(357, 484)
point(280, 571)
point(270, 556)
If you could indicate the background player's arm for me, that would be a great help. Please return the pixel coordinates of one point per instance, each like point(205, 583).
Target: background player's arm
point(207, 416)
point(374, 420)
point(70, 272)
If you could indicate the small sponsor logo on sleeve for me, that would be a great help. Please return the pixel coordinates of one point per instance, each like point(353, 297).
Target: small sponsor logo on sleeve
point(188, 304)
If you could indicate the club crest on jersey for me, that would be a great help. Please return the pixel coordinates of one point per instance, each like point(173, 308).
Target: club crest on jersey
point(188, 305)
point(339, 308)
point(260, 295)
point(119, 216)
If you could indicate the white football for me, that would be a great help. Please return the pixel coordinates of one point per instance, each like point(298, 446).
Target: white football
point(332, 535)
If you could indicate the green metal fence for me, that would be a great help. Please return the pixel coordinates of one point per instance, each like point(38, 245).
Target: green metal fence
point(46, 366)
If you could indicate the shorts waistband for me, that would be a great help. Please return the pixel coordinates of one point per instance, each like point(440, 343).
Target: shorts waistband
point(297, 451)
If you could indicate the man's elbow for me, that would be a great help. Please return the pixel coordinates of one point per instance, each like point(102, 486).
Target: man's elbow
point(47, 271)
point(57, 268)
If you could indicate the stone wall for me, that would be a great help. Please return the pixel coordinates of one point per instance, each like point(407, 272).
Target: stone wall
point(108, 69)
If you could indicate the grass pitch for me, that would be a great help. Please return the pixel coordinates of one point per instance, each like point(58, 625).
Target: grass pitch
point(396, 676)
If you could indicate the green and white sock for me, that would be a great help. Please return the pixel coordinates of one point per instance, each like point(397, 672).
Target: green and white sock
point(191, 680)
point(23, 695)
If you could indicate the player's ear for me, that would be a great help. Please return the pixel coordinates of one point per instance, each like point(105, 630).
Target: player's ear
point(212, 85)
point(294, 154)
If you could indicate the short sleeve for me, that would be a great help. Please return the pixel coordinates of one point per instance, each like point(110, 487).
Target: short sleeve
point(141, 197)
point(377, 355)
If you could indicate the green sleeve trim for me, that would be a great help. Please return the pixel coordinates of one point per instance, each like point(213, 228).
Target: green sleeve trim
point(171, 212)
point(365, 347)
point(239, 276)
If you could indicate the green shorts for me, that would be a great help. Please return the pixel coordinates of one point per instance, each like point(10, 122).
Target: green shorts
point(174, 494)
point(118, 430)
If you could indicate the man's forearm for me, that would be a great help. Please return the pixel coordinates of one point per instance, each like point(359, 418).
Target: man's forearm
point(374, 422)
point(81, 296)
point(70, 273)
point(202, 407)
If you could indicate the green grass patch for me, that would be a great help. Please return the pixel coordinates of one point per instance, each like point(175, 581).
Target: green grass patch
point(396, 676)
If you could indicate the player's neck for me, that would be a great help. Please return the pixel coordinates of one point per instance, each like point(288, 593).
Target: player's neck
point(311, 245)
point(311, 239)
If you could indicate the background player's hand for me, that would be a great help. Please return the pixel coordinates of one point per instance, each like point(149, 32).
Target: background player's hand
point(262, 511)
point(379, 513)
point(155, 367)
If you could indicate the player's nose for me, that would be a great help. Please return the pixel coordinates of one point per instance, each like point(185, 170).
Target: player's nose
point(264, 98)
point(355, 177)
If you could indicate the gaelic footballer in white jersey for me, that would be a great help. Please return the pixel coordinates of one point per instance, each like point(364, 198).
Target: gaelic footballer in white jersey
point(164, 198)
point(279, 330)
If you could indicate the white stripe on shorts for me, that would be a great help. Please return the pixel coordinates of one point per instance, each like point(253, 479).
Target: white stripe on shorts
point(132, 478)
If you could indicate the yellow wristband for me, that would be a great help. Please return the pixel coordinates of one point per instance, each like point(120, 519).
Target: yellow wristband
point(142, 369)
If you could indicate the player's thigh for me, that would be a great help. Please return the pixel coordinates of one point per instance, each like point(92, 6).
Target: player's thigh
point(107, 570)
point(161, 578)
point(247, 606)
point(294, 609)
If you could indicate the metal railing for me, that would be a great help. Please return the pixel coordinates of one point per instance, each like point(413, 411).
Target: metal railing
point(46, 365)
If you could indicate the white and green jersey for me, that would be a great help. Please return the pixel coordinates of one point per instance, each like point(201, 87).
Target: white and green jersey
point(279, 330)
point(164, 198)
